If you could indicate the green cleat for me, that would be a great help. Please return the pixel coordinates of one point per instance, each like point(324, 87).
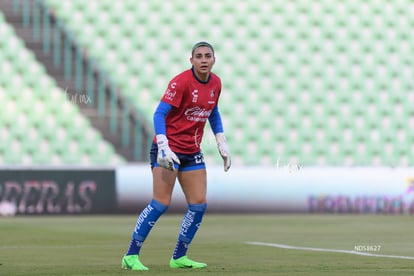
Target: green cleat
point(132, 262)
point(185, 262)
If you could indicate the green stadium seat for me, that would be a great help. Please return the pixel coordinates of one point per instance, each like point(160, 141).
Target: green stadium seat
point(313, 49)
point(29, 98)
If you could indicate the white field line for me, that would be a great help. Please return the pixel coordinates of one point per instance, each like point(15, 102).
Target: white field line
point(285, 246)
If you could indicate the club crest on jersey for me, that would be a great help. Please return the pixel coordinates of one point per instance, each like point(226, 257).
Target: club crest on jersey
point(212, 96)
point(195, 95)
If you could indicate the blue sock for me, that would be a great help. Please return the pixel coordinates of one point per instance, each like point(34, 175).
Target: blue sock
point(145, 222)
point(189, 227)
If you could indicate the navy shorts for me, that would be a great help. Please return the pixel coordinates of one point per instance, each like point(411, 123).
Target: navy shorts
point(189, 162)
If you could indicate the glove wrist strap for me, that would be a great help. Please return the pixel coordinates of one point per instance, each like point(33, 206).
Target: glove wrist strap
point(162, 140)
point(220, 138)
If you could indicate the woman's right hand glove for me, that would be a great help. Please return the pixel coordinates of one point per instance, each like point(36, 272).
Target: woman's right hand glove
point(165, 157)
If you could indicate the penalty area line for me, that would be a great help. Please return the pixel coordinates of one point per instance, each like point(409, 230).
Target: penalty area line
point(353, 252)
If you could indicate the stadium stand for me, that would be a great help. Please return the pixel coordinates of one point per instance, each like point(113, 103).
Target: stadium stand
point(312, 82)
point(39, 124)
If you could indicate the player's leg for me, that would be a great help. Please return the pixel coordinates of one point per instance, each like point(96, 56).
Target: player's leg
point(194, 186)
point(163, 184)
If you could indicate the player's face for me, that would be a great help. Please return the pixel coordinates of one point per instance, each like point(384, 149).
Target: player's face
point(202, 61)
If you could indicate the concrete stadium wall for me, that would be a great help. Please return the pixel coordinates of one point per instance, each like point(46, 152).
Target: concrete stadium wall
point(274, 189)
point(285, 189)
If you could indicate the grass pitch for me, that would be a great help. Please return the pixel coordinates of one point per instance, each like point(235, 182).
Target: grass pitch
point(94, 245)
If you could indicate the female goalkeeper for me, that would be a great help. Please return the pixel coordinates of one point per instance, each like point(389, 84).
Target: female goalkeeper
point(189, 101)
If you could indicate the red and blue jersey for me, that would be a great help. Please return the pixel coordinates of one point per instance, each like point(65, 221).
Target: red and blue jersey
point(192, 103)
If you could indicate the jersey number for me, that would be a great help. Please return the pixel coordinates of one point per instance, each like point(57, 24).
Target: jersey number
point(199, 158)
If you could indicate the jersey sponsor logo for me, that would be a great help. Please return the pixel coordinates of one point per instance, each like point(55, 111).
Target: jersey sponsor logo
point(197, 138)
point(169, 95)
point(195, 95)
point(197, 114)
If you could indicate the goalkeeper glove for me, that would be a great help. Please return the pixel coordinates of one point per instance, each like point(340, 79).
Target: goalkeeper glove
point(224, 150)
point(166, 157)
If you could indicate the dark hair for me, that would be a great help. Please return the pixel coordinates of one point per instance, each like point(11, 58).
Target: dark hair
point(201, 44)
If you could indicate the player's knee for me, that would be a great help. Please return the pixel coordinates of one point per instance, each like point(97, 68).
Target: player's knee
point(159, 206)
point(196, 200)
point(198, 207)
point(166, 201)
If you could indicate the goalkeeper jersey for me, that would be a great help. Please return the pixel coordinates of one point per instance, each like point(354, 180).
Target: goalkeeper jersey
point(193, 101)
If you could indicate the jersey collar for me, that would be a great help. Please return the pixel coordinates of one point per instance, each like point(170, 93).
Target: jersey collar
point(195, 76)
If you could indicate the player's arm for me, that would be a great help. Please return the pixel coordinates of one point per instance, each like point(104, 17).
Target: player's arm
point(217, 127)
point(165, 157)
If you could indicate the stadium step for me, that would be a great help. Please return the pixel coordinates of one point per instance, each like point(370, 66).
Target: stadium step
point(102, 123)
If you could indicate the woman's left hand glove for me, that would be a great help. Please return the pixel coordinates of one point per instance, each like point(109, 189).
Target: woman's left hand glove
point(224, 150)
